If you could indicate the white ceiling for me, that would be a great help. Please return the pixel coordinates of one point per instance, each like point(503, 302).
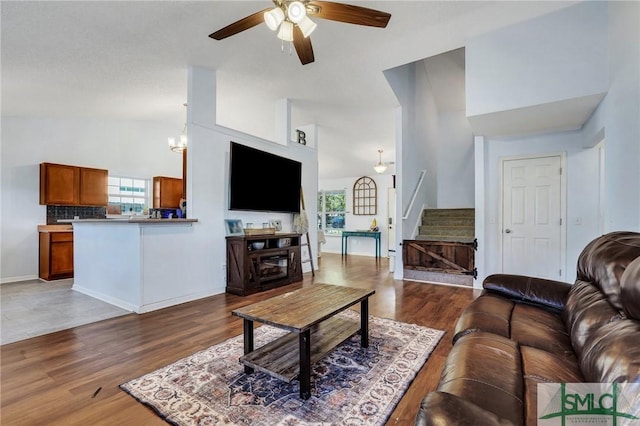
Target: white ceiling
point(129, 59)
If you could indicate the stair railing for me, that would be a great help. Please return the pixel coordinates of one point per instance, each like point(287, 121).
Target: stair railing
point(414, 195)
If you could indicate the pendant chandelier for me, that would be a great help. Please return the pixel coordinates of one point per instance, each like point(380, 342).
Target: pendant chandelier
point(179, 144)
point(380, 167)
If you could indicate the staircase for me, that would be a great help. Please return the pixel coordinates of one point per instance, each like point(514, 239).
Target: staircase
point(444, 249)
point(453, 225)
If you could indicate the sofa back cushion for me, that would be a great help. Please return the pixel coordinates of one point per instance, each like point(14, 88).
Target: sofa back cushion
point(586, 310)
point(630, 290)
point(604, 260)
point(603, 309)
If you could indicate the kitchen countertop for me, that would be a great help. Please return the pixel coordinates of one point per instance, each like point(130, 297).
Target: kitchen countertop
point(140, 220)
point(55, 228)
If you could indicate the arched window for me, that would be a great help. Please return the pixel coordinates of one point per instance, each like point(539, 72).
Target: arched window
point(365, 197)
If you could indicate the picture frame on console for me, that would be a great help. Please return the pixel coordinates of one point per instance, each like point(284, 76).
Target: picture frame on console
point(276, 224)
point(233, 227)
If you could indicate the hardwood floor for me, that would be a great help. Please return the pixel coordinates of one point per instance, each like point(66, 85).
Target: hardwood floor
point(53, 379)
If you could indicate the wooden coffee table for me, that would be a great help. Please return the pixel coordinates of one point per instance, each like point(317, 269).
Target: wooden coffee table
point(309, 315)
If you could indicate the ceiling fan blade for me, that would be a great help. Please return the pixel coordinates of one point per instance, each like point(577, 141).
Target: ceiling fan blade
point(350, 14)
point(303, 46)
point(239, 26)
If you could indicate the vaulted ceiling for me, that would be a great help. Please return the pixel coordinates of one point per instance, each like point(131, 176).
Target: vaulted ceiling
point(129, 59)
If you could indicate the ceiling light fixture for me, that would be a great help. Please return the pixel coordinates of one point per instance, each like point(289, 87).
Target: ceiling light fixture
point(296, 12)
point(273, 18)
point(287, 14)
point(179, 144)
point(286, 31)
point(307, 26)
point(380, 167)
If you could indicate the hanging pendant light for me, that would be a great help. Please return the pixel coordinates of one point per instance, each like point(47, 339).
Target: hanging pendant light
point(380, 167)
point(179, 144)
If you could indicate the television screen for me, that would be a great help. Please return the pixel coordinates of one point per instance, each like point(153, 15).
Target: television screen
point(261, 181)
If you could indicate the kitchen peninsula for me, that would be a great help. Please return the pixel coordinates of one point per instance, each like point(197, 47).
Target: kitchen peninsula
point(135, 263)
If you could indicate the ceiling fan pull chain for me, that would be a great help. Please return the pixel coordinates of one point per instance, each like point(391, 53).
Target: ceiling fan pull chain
point(290, 48)
point(282, 47)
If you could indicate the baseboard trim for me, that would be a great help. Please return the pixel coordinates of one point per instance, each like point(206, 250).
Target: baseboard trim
point(8, 280)
point(438, 277)
point(149, 307)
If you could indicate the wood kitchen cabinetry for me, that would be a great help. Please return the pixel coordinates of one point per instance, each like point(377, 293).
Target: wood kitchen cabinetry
point(167, 192)
point(93, 187)
point(56, 253)
point(59, 184)
point(66, 185)
point(251, 269)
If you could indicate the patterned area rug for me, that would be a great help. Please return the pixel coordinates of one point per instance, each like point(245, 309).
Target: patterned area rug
point(350, 386)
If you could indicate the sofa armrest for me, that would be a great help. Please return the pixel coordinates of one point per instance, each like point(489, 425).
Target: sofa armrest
point(536, 291)
point(442, 408)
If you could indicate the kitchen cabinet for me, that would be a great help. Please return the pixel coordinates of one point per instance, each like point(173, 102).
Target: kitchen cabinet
point(59, 184)
point(56, 252)
point(167, 192)
point(66, 185)
point(93, 187)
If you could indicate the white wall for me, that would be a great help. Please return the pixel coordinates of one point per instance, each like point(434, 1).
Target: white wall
point(132, 148)
point(618, 118)
point(418, 143)
point(360, 246)
point(554, 57)
point(455, 161)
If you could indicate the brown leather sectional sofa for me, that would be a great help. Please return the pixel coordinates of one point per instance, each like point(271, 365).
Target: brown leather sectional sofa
point(523, 331)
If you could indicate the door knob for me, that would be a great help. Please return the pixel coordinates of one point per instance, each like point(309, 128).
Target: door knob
point(507, 231)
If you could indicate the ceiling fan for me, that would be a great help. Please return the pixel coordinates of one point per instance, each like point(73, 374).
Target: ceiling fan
point(292, 20)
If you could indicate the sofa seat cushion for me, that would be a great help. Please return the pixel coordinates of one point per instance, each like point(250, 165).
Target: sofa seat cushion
point(539, 366)
point(485, 369)
point(443, 409)
point(540, 329)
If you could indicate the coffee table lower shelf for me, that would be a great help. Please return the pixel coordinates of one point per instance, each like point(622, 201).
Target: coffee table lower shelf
point(281, 357)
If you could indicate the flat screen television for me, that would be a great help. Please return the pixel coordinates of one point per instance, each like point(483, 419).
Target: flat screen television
point(261, 181)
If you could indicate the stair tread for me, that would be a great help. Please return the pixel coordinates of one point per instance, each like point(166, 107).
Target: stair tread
point(447, 238)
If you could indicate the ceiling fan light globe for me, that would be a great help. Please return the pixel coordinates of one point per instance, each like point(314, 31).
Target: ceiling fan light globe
point(286, 31)
point(273, 18)
point(307, 26)
point(296, 12)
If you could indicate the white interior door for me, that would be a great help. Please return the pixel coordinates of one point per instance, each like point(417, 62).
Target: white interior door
point(391, 219)
point(532, 217)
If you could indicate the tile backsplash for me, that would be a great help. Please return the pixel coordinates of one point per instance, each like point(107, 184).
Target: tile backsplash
point(55, 213)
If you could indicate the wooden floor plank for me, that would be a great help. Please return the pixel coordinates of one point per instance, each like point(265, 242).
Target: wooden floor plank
point(51, 379)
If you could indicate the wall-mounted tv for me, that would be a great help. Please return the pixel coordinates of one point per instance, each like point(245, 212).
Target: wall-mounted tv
point(261, 181)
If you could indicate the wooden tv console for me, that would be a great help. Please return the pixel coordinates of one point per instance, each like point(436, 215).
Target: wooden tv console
point(251, 270)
